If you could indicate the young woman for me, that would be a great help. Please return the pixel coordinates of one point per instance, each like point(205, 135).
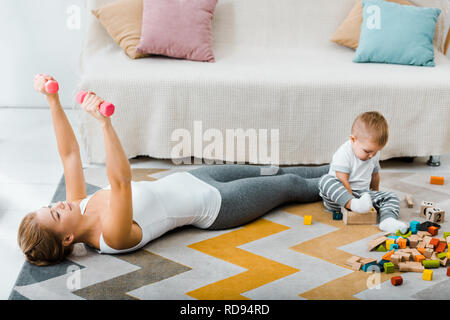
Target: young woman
point(126, 215)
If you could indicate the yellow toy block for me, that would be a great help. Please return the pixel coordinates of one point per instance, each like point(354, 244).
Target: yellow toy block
point(448, 254)
point(388, 243)
point(307, 220)
point(427, 275)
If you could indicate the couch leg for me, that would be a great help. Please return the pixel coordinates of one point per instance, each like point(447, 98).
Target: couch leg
point(434, 161)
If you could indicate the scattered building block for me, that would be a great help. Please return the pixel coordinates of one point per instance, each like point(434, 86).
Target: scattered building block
point(409, 201)
point(446, 234)
point(419, 258)
point(427, 275)
point(448, 254)
point(388, 255)
point(354, 263)
point(403, 235)
point(372, 266)
point(394, 246)
point(442, 255)
point(431, 264)
point(396, 259)
point(349, 217)
point(307, 220)
point(402, 243)
point(423, 206)
point(444, 262)
point(441, 247)
point(414, 226)
point(436, 215)
point(434, 242)
point(389, 242)
point(437, 180)
point(337, 215)
point(389, 267)
point(433, 230)
point(448, 272)
point(410, 266)
point(376, 242)
point(396, 281)
point(381, 248)
point(422, 234)
point(428, 253)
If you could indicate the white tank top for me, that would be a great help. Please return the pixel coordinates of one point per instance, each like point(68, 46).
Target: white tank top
point(159, 206)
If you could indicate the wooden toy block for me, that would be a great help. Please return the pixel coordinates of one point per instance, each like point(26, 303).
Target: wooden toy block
point(376, 242)
point(441, 247)
point(422, 234)
point(410, 267)
point(419, 258)
point(448, 254)
point(423, 206)
point(437, 180)
point(394, 246)
point(448, 272)
point(444, 262)
point(421, 250)
point(396, 259)
point(405, 256)
point(388, 255)
point(426, 240)
point(366, 261)
point(428, 253)
point(353, 262)
point(307, 220)
point(429, 246)
point(433, 230)
point(427, 275)
point(446, 234)
point(396, 281)
point(403, 235)
point(431, 263)
point(389, 267)
point(434, 256)
point(349, 217)
point(409, 201)
point(381, 248)
point(436, 215)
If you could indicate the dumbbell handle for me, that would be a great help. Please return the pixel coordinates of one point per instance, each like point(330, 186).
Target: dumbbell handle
point(51, 86)
point(106, 108)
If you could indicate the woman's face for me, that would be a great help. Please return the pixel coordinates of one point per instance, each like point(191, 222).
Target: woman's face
point(62, 218)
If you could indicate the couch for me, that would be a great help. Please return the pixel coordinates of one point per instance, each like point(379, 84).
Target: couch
point(275, 68)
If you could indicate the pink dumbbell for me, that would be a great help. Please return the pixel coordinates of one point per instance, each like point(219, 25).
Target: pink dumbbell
point(106, 108)
point(51, 86)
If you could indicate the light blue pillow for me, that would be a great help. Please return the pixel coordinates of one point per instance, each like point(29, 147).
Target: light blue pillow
point(395, 33)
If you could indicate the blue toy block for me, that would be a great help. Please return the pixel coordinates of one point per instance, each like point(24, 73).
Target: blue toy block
point(393, 237)
point(337, 215)
point(371, 266)
point(394, 246)
point(381, 264)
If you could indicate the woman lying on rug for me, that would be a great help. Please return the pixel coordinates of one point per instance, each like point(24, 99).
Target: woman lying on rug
point(126, 215)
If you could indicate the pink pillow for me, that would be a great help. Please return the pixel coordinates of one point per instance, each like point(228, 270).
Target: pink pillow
point(178, 28)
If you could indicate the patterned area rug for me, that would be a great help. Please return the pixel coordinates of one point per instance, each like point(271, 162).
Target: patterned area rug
point(275, 257)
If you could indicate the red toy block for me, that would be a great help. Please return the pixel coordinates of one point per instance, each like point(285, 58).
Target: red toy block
point(396, 281)
point(448, 272)
point(434, 242)
point(441, 247)
point(433, 230)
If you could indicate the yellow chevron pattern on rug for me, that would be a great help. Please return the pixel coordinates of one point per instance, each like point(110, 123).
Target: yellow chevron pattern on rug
point(260, 270)
point(326, 248)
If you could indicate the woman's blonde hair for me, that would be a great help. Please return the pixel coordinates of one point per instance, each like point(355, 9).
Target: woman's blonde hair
point(373, 125)
point(41, 246)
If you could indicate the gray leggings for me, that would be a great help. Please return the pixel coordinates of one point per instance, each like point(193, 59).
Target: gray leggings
point(247, 194)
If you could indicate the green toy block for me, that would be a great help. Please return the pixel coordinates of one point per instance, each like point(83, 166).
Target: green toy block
point(389, 267)
point(446, 234)
point(406, 235)
point(381, 248)
point(431, 263)
point(442, 255)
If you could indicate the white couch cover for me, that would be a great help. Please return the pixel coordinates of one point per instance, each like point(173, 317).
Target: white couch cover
point(275, 69)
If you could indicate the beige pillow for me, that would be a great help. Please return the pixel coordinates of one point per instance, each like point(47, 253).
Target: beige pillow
point(123, 20)
point(349, 31)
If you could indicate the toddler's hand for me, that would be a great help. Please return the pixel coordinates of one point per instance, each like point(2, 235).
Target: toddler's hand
point(39, 84)
point(91, 104)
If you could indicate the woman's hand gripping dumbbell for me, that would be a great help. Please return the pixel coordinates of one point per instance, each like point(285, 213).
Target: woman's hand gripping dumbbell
point(105, 108)
point(45, 84)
